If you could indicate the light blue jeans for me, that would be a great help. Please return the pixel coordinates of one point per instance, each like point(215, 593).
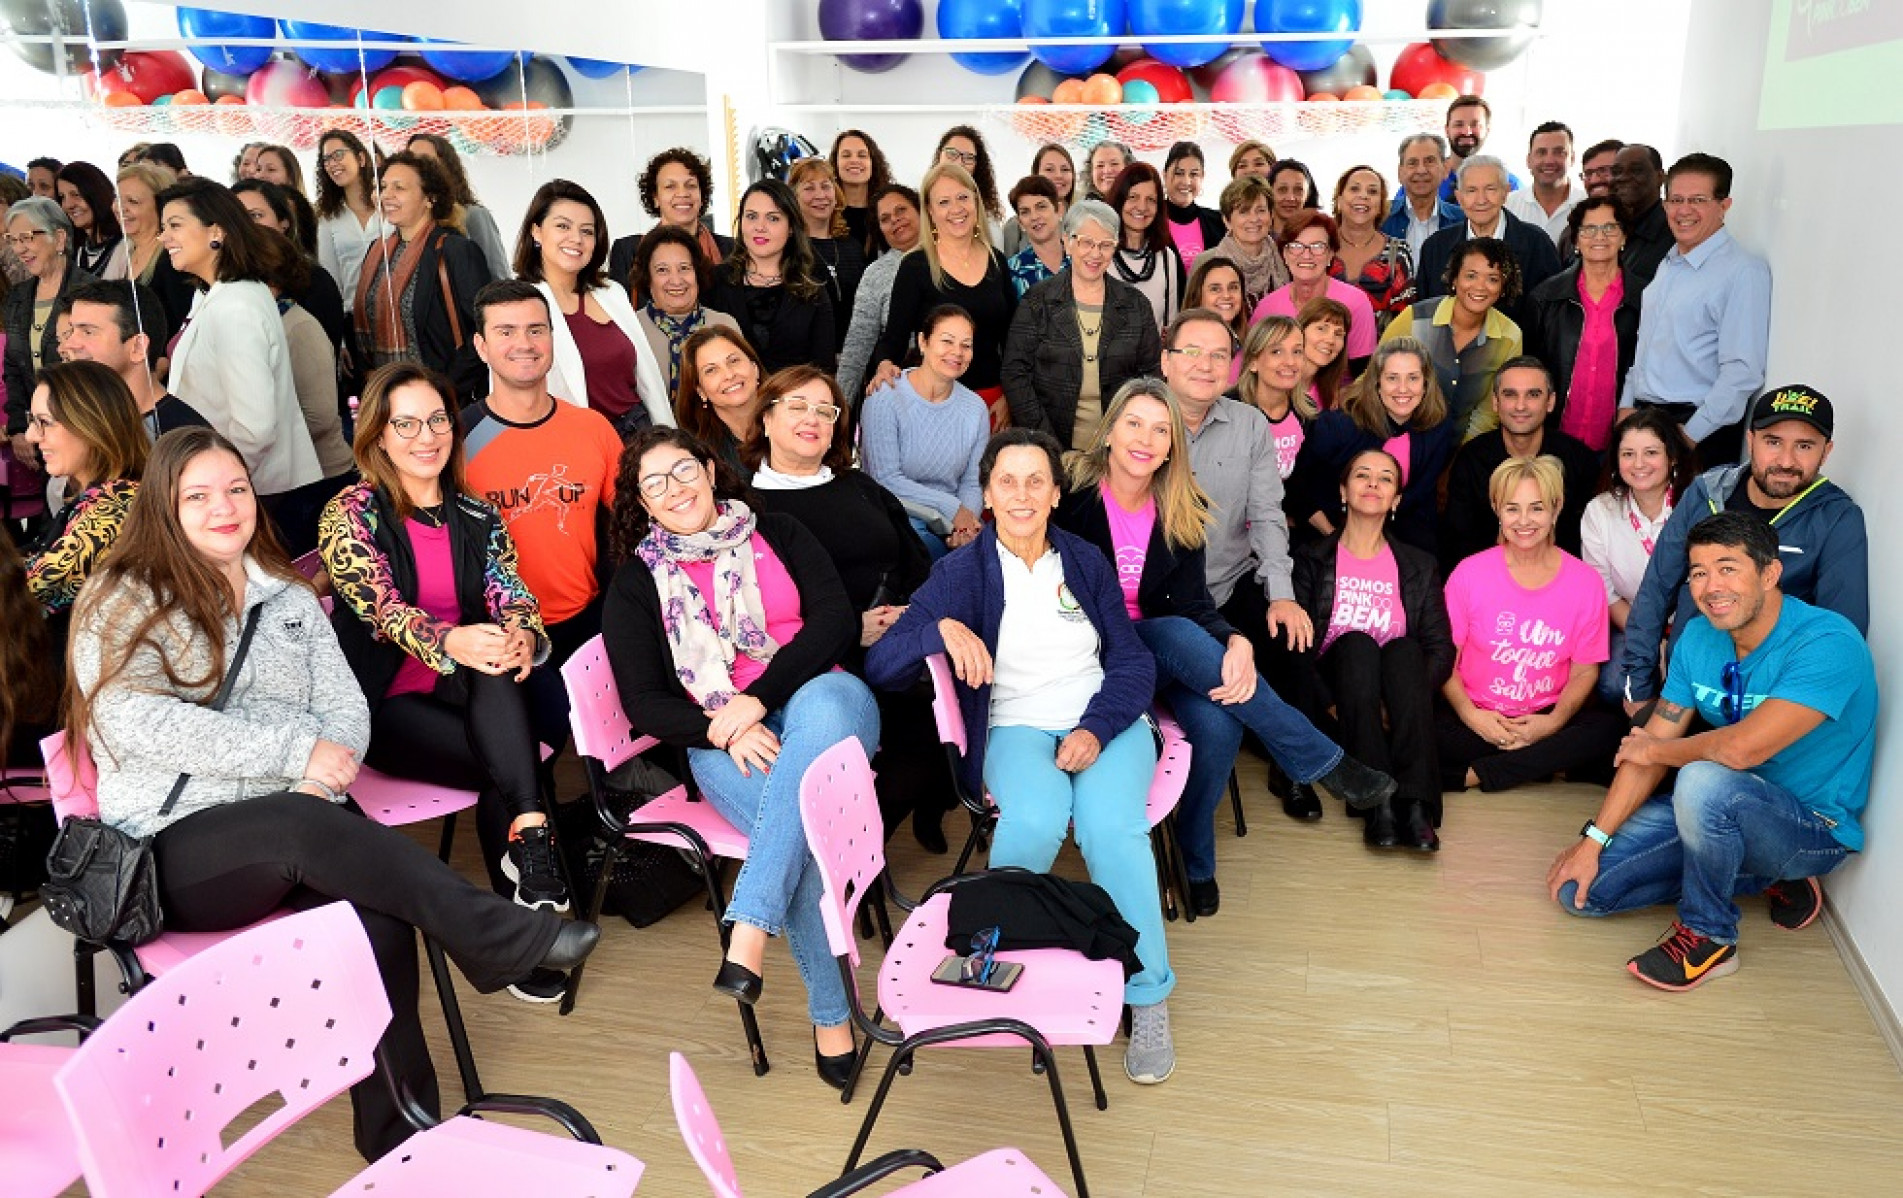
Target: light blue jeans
point(777, 889)
point(935, 545)
point(1038, 803)
point(1720, 834)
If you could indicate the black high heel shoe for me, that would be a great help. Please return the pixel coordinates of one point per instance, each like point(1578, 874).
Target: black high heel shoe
point(835, 1071)
point(736, 981)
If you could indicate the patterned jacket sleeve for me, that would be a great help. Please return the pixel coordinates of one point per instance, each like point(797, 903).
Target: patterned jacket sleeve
point(510, 602)
point(56, 574)
point(360, 576)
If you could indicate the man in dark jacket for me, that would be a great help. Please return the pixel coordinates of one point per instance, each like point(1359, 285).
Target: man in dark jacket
point(1821, 539)
point(1483, 196)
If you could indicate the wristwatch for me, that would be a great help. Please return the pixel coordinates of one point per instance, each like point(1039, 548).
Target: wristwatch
point(1594, 833)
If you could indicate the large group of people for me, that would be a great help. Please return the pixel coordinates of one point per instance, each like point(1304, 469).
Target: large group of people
point(1405, 493)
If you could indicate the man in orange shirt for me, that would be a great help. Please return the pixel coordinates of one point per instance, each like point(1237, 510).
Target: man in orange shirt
point(549, 468)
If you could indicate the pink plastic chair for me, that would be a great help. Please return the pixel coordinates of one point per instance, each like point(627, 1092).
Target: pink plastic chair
point(39, 1158)
point(604, 740)
point(1005, 1173)
point(1062, 998)
point(285, 1016)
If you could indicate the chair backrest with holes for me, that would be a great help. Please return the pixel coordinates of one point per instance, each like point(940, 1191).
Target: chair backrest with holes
point(951, 721)
point(847, 836)
point(289, 1011)
point(700, 1128)
point(601, 727)
point(71, 777)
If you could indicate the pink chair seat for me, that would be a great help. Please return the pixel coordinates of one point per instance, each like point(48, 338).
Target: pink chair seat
point(1003, 1173)
point(398, 801)
point(1069, 999)
point(476, 1157)
point(38, 1156)
point(675, 807)
point(1172, 771)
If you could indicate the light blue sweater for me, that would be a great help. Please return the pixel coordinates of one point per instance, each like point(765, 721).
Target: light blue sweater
point(926, 453)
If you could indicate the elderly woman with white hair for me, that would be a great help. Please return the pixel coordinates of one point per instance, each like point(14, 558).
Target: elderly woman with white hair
point(1079, 335)
point(41, 236)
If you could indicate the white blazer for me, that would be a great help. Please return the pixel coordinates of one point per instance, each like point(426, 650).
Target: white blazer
point(233, 364)
point(568, 378)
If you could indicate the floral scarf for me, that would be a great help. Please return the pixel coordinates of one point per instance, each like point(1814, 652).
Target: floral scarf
point(703, 653)
point(676, 329)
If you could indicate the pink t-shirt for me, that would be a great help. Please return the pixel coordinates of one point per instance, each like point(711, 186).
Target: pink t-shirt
point(435, 594)
point(1130, 537)
point(778, 596)
point(1367, 597)
point(1188, 240)
point(1517, 647)
point(1401, 449)
point(1361, 334)
point(1289, 435)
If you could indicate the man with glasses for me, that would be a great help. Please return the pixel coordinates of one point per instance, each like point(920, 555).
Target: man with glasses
point(1595, 172)
point(1768, 800)
point(549, 468)
point(1637, 175)
point(1483, 197)
point(1705, 318)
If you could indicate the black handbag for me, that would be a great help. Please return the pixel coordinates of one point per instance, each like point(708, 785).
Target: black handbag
point(103, 885)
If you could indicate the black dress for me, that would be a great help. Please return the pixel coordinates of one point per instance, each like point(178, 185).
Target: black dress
point(783, 330)
point(842, 263)
point(992, 303)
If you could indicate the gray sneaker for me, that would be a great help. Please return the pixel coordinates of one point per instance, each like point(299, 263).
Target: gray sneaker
point(1151, 1056)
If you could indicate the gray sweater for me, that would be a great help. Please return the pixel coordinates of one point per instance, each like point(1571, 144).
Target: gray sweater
point(869, 309)
point(293, 689)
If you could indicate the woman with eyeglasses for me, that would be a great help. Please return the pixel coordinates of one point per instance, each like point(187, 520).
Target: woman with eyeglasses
point(1517, 707)
point(1041, 234)
point(1145, 258)
point(860, 169)
point(1079, 336)
point(956, 264)
point(772, 283)
point(1192, 227)
point(670, 276)
point(1106, 160)
point(923, 433)
point(1466, 334)
point(1583, 323)
point(85, 194)
point(1380, 265)
point(349, 221)
point(1052, 162)
point(722, 627)
point(838, 254)
point(676, 188)
point(964, 147)
point(439, 629)
point(1309, 249)
point(1248, 215)
point(719, 393)
point(897, 208)
point(41, 236)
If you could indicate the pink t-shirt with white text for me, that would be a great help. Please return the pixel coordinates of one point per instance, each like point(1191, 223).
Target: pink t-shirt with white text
point(1289, 435)
point(1130, 538)
point(1516, 646)
point(779, 598)
point(1367, 597)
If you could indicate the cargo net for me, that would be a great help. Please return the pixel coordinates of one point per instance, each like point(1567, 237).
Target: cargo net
point(492, 133)
point(1158, 127)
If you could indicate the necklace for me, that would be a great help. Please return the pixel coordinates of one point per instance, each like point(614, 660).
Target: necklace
point(831, 263)
point(1090, 332)
point(1360, 245)
point(1140, 275)
point(435, 517)
point(758, 279)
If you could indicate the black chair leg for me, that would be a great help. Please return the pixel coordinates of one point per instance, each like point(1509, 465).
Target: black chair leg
point(1179, 868)
point(591, 914)
point(1096, 1078)
point(453, 1016)
point(1235, 804)
point(1063, 1120)
point(878, 1101)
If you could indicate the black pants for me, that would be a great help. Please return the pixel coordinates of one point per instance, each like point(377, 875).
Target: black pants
point(548, 698)
point(471, 732)
point(1582, 750)
point(1367, 681)
point(1723, 447)
point(911, 766)
point(228, 866)
point(1280, 666)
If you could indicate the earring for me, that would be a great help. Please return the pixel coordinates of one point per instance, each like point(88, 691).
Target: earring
point(217, 244)
point(537, 245)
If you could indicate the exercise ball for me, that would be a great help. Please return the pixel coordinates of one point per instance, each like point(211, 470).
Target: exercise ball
point(1038, 80)
point(219, 84)
point(596, 68)
point(1073, 18)
point(1205, 76)
point(1363, 92)
point(968, 20)
point(423, 96)
point(1395, 93)
point(1308, 16)
point(147, 74)
point(1439, 91)
point(1256, 79)
point(871, 21)
point(286, 83)
point(461, 99)
point(1169, 83)
point(68, 18)
point(1154, 18)
point(1070, 91)
point(545, 86)
point(338, 58)
point(235, 60)
point(1353, 69)
point(1420, 64)
point(1102, 89)
point(1521, 18)
point(465, 66)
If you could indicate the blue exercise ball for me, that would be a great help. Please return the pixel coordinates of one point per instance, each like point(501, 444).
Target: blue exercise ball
point(337, 58)
point(465, 66)
point(232, 60)
point(1073, 18)
point(595, 68)
point(871, 21)
point(963, 20)
point(1308, 16)
point(1151, 18)
point(1521, 18)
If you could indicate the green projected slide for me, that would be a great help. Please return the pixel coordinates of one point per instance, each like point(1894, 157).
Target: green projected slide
point(1833, 62)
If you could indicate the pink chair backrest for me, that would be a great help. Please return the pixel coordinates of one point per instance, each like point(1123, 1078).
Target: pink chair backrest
point(310, 565)
point(847, 836)
point(951, 721)
point(700, 1128)
point(71, 777)
point(288, 1011)
point(601, 727)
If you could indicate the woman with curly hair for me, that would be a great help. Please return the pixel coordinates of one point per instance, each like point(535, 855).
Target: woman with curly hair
point(860, 168)
point(478, 223)
point(1466, 333)
point(677, 188)
point(772, 284)
point(348, 219)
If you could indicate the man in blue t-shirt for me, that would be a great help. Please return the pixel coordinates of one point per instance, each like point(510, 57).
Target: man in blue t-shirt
point(1768, 800)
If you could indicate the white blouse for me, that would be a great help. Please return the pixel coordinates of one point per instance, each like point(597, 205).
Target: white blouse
point(1616, 539)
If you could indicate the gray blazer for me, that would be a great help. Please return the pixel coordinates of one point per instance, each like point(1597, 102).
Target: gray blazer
point(1043, 368)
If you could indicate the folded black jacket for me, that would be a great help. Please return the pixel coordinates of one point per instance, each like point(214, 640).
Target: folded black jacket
point(1041, 911)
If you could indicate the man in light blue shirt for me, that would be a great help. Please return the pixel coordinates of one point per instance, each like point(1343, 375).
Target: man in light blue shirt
point(1705, 323)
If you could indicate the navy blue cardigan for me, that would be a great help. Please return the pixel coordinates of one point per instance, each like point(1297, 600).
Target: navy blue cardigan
point(967, 585)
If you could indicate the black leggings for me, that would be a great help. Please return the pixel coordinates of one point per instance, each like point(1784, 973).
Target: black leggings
point(1582, 749)
point(471, 732)
point(231, 865)
point(1369, 681)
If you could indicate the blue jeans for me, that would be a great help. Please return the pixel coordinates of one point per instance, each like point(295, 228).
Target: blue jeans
point(1611, 686)
point(1720, 834)
point(1188, 667)
point(777, 889)
point(935, 546)
point(1037, 803)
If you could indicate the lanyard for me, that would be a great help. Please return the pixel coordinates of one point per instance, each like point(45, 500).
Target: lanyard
point(1795, 500)
point(1632, 514)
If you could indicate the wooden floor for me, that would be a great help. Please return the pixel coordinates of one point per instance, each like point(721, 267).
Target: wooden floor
point(1350, 1023)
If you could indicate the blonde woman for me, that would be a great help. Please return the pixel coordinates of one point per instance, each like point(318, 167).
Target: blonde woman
point(1134, 496)
point(1271, 380)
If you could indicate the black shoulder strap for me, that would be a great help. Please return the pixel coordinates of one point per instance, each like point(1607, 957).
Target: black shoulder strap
point(224, 694)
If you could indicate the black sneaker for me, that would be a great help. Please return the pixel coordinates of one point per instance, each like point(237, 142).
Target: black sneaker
point(1357, 785)
point(1795, 902)
point(541, 986)
point(1684, 959)
point(530, 863)
point(1205, 898)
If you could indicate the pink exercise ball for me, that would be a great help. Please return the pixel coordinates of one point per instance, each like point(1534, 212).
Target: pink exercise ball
point(286, 83)
point(1254, 79)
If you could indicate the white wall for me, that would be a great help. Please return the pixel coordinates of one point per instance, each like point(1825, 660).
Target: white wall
point(1832, 313)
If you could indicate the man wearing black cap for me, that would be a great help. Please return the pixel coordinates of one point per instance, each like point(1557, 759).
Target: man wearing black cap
point(1820, 533)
